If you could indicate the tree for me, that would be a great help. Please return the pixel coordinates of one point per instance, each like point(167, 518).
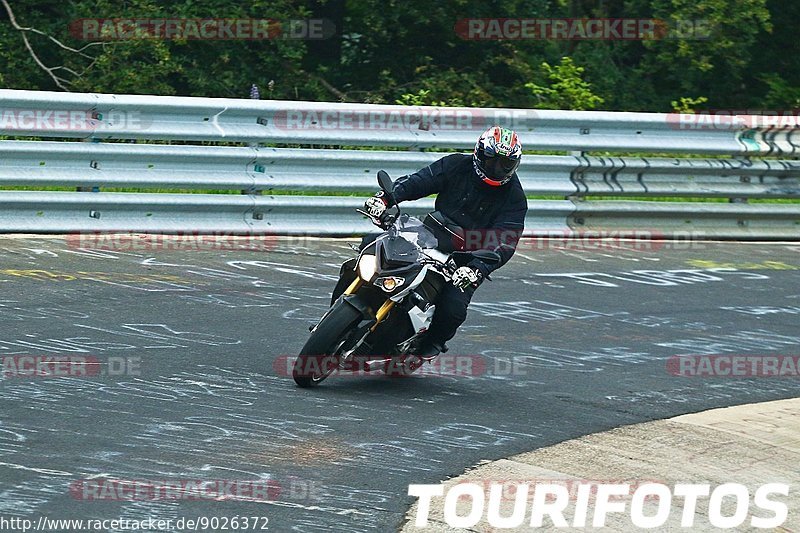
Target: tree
point(566, 88)
point(708, 48)
point(743, 54)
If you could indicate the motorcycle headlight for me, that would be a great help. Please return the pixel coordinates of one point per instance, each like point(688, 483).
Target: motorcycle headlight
point(367, 266)
point(389, 284)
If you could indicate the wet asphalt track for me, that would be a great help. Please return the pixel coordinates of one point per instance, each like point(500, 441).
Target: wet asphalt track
point(207, 401)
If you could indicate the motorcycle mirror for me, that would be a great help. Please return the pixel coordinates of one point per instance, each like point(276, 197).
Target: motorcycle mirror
point(490, 258)
point(385, 183)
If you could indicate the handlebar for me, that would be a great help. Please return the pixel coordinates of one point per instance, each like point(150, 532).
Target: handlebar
point(383, 224)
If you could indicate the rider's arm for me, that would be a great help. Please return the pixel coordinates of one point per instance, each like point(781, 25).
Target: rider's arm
point(424, 182)
point(508, 228)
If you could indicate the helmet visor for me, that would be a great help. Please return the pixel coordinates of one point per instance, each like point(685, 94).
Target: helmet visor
point(500, 167)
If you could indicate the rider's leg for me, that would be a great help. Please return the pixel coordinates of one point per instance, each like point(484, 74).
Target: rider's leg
point(451, 312)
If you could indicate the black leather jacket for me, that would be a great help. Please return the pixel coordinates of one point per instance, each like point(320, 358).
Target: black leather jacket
point(490, 215)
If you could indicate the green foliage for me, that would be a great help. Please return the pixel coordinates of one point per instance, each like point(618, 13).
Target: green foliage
point(421, 97)
point(739, 54)
point(708, 47)
point(151, 60)
point(566, 88)
point(687, 104)
point(781, 95)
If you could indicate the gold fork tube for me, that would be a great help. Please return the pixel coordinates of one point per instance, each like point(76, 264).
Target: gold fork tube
point(354, 286)
point(382, 312)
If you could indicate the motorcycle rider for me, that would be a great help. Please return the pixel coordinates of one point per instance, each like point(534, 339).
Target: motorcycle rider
point(482, 194)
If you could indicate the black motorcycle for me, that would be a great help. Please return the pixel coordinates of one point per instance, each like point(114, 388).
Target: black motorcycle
point(380, 319)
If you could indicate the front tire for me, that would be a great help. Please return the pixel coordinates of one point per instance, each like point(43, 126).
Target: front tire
point(319, 357)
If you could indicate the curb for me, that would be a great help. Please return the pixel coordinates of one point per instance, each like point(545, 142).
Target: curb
point(749, 444)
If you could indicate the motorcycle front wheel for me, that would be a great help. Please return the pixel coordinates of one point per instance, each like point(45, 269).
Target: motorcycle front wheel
point(321, 353)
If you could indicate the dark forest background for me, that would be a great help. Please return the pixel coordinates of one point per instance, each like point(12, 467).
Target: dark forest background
point(388, 51)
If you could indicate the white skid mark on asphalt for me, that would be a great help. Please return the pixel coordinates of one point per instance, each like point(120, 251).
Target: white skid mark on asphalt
point(15, 466)
point(577, 256)
point(152, 261)
point(41, 251)
point(282, 267)
point(93, 253)
point(334, 510)
point(531, 259)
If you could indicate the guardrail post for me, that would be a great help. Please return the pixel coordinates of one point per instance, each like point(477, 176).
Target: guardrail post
point(576, 196)
point(255, 94)
point(742, 179)
point(94, 165)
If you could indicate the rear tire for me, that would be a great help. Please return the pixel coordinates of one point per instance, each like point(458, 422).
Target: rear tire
point(318, 358)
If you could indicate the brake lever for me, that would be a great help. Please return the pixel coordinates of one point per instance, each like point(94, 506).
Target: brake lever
point(372, 219)
point(437, 264)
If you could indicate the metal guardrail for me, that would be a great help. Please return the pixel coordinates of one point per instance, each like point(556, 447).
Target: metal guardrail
point(257, 170)
point(322, 123)
point(65, 212)
point(690, 219)
point(116, 165)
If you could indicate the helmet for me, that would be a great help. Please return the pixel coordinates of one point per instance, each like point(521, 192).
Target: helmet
point(497, 155)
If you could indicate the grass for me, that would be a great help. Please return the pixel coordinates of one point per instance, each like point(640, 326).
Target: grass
point(442, 150)
point(692, 199)
point(369, 192)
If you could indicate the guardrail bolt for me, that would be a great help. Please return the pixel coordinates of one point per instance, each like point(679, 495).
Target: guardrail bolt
point(94, 214)
point(741, 223)
point(259, 168)
point(744, 179)
point(263, 121)
point(258, 216)
point(94, 164)
point(585, 131)
point(580, 221)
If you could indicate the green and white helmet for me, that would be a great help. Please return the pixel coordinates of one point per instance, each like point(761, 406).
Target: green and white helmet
point(497, 155)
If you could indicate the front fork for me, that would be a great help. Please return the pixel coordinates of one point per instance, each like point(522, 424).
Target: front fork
point(410, 363)
point(357, 283)
point(384, 309)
